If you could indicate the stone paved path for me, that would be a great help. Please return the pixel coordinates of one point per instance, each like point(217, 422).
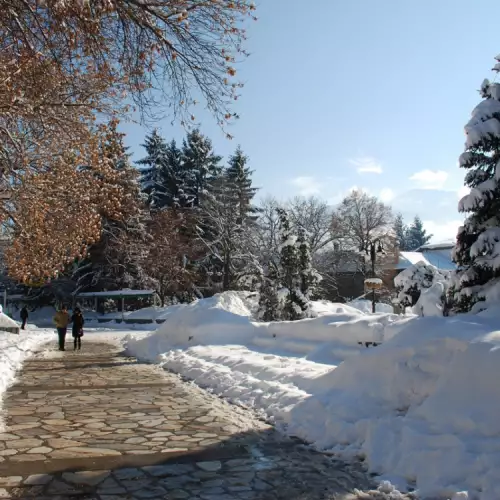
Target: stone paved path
point(96, 425)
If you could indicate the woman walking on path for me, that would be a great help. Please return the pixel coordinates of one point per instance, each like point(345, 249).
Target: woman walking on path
point(78, 322)
point(61, 320)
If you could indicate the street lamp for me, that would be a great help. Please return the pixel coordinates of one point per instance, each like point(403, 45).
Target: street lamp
point(372, 248)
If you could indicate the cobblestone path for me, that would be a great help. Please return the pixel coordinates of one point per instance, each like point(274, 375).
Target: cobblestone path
point(97, 425)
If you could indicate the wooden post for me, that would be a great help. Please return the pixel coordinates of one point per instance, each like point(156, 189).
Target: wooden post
point(123, 309)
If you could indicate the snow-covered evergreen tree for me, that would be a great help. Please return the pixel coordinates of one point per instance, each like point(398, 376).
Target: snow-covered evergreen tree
point(176, 179)
point(201, 166)
point(269, 305)
point(401, 232)
point(309, 277)
point(154, 172)
point(423, 287)
point(416, 235)
point(477, 251)
point(239, 180)
point(295, 305)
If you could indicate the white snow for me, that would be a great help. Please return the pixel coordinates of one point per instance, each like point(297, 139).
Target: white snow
point(422, 405)
point(373, 281)
point(14, 349)
point(365, 306)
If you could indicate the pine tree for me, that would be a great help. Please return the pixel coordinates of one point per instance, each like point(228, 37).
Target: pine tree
point(295, 306)
point(269, 306)
point(176, 179)
point(239, 177)
point(401, 232)
point(417, 235)
point(201, 166)
point(309, 277)
point(155, 173)
point(477, 250)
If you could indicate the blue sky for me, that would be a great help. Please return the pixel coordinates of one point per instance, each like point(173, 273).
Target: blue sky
point(360, 93)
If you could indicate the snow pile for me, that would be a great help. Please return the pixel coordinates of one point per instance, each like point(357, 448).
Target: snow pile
point(366, 306)
point(424, 287)
point(337, 331)
point(422, 406)
point(14, 349)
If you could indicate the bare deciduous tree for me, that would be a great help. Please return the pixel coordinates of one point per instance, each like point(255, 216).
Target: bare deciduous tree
point(360, 219)
point(228, 235)
point(166, 260)
point(315, 216)
point(267, 230)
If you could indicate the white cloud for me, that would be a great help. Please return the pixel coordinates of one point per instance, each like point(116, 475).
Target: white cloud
point(367, 165)
point(430, 179)
point(386, 195)
point(306, 185)
point(442, 231)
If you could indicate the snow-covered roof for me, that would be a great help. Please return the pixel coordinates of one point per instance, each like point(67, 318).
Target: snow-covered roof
point(437, 246)
point(117, 293)
point(439, 257)
point(407, 259)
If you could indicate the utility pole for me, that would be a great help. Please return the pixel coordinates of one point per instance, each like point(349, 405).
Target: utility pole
point(372, 247)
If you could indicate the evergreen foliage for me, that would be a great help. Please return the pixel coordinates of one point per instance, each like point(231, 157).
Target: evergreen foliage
point(269, 306)
point(295, 304)
point(416, 235)
point(201, 166)
point(477, 251)
point(239, 181)
point(154, 173)
point(401, 232)
point(309, 277)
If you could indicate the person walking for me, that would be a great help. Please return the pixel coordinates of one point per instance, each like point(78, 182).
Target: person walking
point(78, 322)
point(61, 320)
point(24, 317)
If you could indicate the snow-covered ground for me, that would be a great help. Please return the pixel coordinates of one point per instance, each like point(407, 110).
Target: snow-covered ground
point(417, 396)
point(14, 349)
point(422, 406)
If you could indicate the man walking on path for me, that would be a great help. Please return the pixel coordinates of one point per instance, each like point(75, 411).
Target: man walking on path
point(24, 317)
point(61, 320)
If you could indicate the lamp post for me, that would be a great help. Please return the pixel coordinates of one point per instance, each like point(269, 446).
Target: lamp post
point(372, 247)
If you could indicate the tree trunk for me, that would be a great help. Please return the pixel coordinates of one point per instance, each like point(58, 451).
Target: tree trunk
point(226, 280)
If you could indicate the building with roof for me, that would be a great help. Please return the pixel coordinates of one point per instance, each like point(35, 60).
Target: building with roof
point(435, 254)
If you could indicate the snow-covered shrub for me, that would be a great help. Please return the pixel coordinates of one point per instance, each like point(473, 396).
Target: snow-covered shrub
point(109, 306)
point(290, 284)
point(269, 304)
point(423, 287)
point(477, 252)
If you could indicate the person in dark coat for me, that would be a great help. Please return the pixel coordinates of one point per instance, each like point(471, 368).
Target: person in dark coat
point(78, 322)
point(24, 317)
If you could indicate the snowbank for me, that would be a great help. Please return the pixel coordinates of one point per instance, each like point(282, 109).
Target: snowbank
point(337, 332)
point(14, 349)
point(422, 406)
point(365, 306)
